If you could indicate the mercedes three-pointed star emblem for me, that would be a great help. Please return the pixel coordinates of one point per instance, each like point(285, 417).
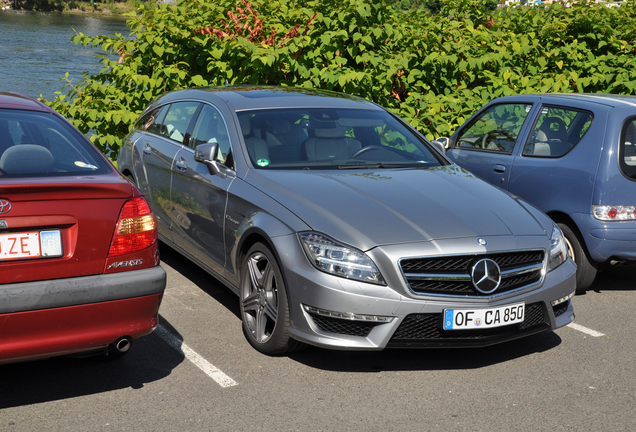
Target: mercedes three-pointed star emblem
point(486, 276)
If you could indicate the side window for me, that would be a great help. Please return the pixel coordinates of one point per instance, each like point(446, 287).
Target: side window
point(177, 120)
point(496, 129)
point(628, 149)
point(557, 131)
point(210, 128)
point(151, 121)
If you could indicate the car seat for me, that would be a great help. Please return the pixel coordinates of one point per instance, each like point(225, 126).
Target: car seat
point(256, 147)
point(331, 144)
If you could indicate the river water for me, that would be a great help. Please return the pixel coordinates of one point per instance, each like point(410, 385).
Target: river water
point(36, 49)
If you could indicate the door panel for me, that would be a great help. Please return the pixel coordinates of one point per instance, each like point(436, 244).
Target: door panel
point(486, 145)
point(199, 198)
point(162, 141)
point(158, 156)
point(558, 164)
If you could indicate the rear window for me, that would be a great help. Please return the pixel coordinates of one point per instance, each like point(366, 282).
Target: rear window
point(628, 149)
point(35, 144)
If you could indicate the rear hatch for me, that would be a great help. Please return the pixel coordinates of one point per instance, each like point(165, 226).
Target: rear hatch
point(58, 227)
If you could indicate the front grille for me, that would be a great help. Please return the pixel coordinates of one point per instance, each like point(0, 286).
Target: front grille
point(420, 330)
point(451, 275)
point(343, 326)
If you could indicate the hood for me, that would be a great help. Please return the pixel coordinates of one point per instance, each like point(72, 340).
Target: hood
point(369, 208)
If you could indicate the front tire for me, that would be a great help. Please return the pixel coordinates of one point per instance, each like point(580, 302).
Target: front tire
point(586, 269)
point(264, 303)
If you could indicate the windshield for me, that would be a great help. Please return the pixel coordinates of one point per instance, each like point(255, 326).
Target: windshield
point(327, 138)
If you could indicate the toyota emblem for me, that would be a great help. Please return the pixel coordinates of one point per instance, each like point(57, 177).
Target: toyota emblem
point(486, 276)
point(5, 206)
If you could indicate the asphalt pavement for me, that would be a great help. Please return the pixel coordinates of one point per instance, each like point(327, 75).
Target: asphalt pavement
point(197, 372)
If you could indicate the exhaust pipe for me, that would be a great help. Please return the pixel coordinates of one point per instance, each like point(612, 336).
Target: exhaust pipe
point(119, 348)
point(123, 345)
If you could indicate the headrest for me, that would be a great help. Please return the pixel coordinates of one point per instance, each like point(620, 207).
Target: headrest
point(26, 159)
point(541, 137)
point(244, 120)
point(554, 128)
point(278, 126)
point(337, 132)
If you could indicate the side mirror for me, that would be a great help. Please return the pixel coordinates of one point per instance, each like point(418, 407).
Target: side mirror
point(439, 146)
point(207, 154)
point(444, 140)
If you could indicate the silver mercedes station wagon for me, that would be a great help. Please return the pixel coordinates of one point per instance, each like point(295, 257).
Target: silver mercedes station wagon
point(338, 225)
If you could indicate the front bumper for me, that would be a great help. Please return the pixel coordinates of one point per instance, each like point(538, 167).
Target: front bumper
point(413, 321)
point(65, 316)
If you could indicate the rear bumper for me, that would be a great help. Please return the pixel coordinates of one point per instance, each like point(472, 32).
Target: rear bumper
point(47, 294)
point(50, 318)
point(608, 240)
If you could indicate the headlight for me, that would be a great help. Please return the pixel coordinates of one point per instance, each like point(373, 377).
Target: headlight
point(330, 256)
point(558, 249)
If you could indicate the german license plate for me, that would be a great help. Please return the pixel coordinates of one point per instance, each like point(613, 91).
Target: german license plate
point(466, 319)
point(33, 244)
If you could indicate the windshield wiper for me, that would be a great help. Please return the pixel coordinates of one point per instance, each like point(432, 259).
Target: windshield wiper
point(374, 165)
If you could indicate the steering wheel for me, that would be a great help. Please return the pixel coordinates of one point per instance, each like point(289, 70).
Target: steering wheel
point(366, 149)
point(489, 136)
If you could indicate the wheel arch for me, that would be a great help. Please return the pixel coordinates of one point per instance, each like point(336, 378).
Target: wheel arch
point(259, 227)
point(564, 218)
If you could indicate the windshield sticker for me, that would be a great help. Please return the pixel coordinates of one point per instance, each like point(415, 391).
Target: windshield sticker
point(85, 165)
point(262, 162)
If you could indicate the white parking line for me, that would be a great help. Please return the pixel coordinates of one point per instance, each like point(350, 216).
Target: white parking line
point(212, 371)
point(585, 330)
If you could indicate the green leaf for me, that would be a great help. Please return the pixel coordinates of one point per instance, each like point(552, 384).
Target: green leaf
point(158, 50)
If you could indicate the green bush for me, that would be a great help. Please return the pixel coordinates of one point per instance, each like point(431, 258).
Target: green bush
point(432, 70)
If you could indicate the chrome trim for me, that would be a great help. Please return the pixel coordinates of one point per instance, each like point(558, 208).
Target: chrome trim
point(438, 276)
point(348, 315)
point(522, 270)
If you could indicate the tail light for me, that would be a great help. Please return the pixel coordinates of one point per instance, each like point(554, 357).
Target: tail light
point(136, 228)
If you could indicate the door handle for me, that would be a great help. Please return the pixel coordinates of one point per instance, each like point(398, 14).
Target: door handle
point(500, 168)
point(147, 149)
point(181, 164)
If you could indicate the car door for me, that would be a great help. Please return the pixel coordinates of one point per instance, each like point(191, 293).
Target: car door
point(163, 133)
point(557, 165)
point(485, 146)
point(198, 197)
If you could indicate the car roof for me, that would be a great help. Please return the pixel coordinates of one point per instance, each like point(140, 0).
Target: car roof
point(598, 98)
point(19, 101)
point(242, 98)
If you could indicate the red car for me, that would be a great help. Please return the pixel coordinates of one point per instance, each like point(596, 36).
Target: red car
point(79, 259)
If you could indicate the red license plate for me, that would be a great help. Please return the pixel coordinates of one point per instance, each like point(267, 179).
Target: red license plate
point(20, 245)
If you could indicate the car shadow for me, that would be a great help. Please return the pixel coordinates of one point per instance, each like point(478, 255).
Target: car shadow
point(150, 359)
point(425, 359)
point(200, 278)
point(619, 278)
